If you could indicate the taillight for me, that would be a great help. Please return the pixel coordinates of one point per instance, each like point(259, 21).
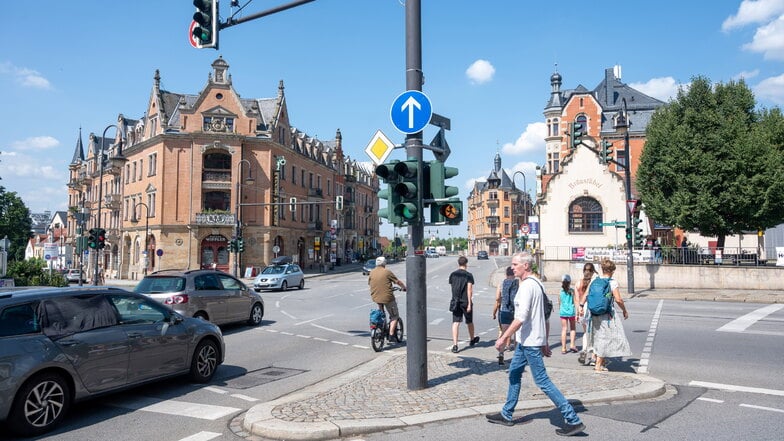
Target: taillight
point(176, 300)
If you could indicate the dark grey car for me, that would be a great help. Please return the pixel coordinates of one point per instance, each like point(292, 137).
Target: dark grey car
point(61, 345)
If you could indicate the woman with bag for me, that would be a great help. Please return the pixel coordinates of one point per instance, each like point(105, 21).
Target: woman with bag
point(609, 339)
point(583, 315)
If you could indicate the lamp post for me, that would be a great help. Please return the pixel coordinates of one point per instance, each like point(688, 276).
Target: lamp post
point(622, 124)
point(100, 190)
point(238, 208)
point(525, 197)
point(135, 220)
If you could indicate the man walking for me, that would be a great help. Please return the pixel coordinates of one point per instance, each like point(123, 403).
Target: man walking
point(380, 280)
point(462, 303)
point(529, 327)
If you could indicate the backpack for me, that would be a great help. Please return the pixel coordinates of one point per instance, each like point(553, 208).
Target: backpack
point(599, 297)
point(548, 305)
point(508, 292)
point(376, 317)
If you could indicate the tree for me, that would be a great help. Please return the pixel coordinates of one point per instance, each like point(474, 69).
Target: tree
point(713, 163)
point(15, 223)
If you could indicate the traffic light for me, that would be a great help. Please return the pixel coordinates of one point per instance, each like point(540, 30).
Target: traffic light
point(206, 18)
point(577, 134)
point(293, 205)
point(233, 245)
point(639, 239)
point(607, 151)
point(387, 173)
point(101, 238)
point(451, 210)
point(339, 203)
point(240, 245)
point(628, 233)
point(408, 208)
point(92, 238)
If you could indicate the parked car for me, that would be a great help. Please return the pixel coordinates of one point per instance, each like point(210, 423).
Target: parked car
point(206, 294)
point(369, 266)
point(73, 276)
point(280, 277)
point(62, 345)
point(482, 255)
point(431, 253)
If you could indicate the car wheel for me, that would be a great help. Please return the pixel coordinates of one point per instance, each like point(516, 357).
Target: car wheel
point(256, 314)
point(40, 405)
point(284, 286)
point(205, 361)
point(302, 283)
point(201, 316)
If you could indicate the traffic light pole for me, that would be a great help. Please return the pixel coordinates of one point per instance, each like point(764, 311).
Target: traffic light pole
point(416, 299)
point(628, 178)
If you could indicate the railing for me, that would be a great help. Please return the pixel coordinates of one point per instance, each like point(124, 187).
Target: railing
point(493, 220)
point(492, 203)
point(215, 219)
point(660, 256)
point(315, 193)
point(216, 176)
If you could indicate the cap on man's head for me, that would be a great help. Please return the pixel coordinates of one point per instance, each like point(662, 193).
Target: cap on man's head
point(381, 261)
point(566, 278)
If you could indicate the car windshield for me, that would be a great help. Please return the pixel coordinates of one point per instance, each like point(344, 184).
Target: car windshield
point(159, 284)
point(278, 269)
point(371, 263)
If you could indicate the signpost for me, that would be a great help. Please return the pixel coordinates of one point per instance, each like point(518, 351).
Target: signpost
point(411, 111)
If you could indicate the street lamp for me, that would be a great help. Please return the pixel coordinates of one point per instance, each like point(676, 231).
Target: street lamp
point(238, 208)
point(525, 197)
point(622, 124)
point(100, 189)
point(135, 220)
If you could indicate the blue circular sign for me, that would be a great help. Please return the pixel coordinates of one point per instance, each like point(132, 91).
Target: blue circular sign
point(411, 111)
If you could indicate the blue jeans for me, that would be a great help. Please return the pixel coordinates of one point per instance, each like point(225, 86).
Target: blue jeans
point(532, 356)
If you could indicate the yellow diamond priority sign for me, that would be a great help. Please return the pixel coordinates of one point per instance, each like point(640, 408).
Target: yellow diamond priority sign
point(379, 148)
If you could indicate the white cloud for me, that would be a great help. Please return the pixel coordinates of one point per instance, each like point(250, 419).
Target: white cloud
point(469, 184)
point(753, 11)
point(36, 143)
point(531, 139)
point(25, 166)
point(663, 88)
point(26, 77)
point(772, 89)
point(769, 40)
point(480, 72)
point(746, 75)
point(528, 169)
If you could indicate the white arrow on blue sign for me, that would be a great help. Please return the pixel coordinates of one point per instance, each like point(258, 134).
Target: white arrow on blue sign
point(411, 111)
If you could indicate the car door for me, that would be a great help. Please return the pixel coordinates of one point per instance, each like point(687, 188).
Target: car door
point(211, 296)
point(237, 298)
point(158, 345)
point(85, 329)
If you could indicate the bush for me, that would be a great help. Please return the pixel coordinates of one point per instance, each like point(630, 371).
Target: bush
point(33, 272)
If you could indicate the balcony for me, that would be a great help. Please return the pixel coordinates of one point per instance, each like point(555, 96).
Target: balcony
point(114, 166)
point(216, 219)
point(315, 226)
point(493, 220)
point(315, 193)
point(492, 203)
point(215, 176)
point(84, 178)
point(112, 201)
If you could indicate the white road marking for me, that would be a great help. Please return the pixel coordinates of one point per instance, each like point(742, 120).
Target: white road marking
point(332, 330)
point(710, 400)
point(304, 336)
point(735, 388)
point(179, 408)
point(342, 343)
point(320, 339)
point(202, 436)
point(436, 321)
point(244, 397)
point(287, 314)
point(216, 390)
point(642, 364)
point(361, 347)
point(312, 320)
point(741, 323)
point(772, 409)
point(286, 333)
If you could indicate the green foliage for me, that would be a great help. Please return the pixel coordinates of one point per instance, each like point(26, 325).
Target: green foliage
point(34, 272)
point(713, 163)
point(15, 223)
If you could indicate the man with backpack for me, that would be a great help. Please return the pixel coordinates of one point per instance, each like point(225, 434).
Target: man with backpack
point(529, 326)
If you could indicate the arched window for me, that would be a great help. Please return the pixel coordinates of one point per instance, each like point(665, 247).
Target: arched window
point(581, 119)
point(585, 215)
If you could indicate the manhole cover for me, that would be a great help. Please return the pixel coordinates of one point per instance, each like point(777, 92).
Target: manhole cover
point(259, 377)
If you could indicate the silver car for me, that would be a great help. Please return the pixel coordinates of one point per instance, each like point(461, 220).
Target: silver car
point(206, 294)
point(61, 345)
point(280, 277)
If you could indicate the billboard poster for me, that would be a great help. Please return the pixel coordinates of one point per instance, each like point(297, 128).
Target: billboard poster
point(533, 225)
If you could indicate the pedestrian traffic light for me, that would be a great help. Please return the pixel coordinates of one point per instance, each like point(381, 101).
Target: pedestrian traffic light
point(293, 205)
point(444, 208)
point(577, 134)
point(639, 239)
point(240, 245)
point(233, 245)
point(100, 238)
point(607, 151)
point(628, 233)
point(408, 189)
point(387, 173)
point(206, 18)
point(339, 203)
point(92, 238)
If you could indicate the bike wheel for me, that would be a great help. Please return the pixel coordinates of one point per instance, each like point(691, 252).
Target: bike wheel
point(377, 339)
point(399, 330)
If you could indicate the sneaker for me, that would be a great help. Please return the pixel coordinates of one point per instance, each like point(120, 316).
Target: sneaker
point(497, 418)
point(474, 341)
point(501, 358)
point(454, 349)
point(569, 429)
point(392, 338)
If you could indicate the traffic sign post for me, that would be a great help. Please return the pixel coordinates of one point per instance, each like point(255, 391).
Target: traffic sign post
point(411, 111)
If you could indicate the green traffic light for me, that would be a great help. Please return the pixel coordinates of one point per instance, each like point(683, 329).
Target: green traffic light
point(406, 210)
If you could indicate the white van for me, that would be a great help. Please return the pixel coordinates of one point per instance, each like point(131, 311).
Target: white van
point(441, 250)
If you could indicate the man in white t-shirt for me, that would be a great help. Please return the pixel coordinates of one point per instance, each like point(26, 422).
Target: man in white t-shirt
point(529, 326)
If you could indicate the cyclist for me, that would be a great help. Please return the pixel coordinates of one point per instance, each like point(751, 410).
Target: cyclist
point(380, 281)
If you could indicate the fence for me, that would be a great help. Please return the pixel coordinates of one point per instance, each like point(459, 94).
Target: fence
point(736, 256)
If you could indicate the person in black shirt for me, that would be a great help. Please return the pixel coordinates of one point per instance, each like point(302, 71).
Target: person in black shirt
point(462, 303)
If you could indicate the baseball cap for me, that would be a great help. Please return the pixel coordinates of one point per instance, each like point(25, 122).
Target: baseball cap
point(566, 278)
point(381, 260)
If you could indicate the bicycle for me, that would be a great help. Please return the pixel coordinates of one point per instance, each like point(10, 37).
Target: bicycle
point(379, 327)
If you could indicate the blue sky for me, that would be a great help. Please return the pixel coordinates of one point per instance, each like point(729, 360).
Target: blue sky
point(66, 65)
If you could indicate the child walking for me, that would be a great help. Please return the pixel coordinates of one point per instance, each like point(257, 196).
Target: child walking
point(567, 313)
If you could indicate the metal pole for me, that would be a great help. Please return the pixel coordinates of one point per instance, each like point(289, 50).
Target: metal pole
point(627, 173)
point(146, 239)
point(238, 211)
point(100, 196)
point(416, 301)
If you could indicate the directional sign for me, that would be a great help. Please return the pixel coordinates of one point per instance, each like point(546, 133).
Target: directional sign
point(379, 148)
point(411, 111)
